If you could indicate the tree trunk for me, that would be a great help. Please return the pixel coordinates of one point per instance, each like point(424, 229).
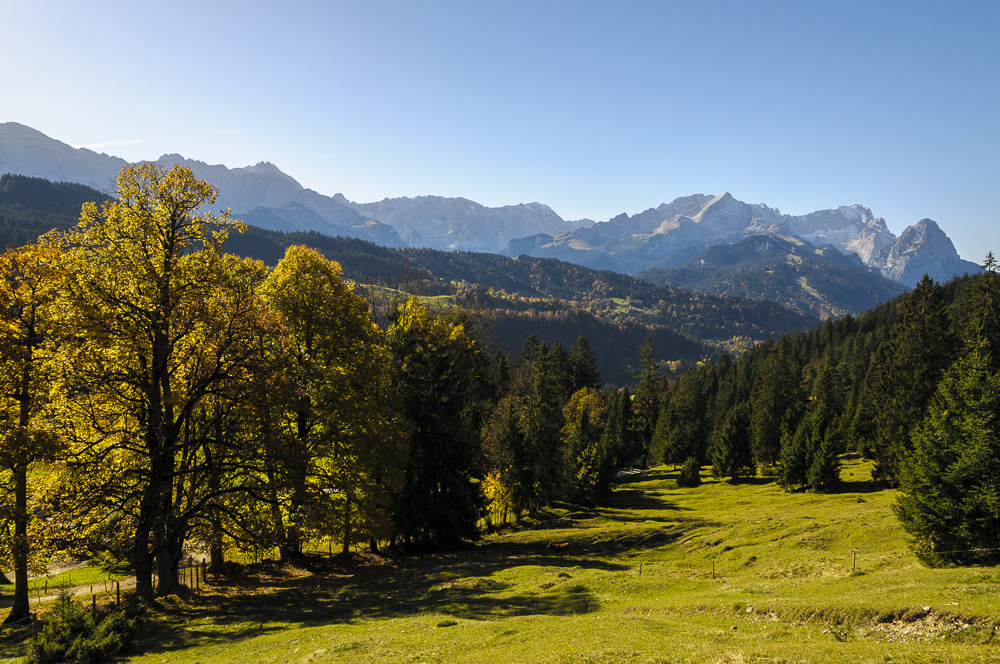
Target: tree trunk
point(347, 525)
point(143, 565)
point(21, 608)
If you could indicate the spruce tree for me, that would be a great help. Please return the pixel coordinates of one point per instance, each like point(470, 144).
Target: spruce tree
point(583, 366)
point(824, 469)
point(796, 453)
point(732, 455)
point(647, 400)
point(774, 389)
point(951, 482)
point(920, 349)
point(661, 437)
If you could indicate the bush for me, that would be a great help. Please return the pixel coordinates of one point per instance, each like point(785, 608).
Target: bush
point(690, 473)
point(70, 633)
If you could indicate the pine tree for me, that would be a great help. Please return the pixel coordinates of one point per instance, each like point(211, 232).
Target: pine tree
point(688, 433)
point(647, 400)
point(661, 436)
point(690, 475)
point(824, 469)
point(774, 389)
point(796, 453)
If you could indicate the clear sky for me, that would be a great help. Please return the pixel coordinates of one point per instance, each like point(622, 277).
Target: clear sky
point(594, 108)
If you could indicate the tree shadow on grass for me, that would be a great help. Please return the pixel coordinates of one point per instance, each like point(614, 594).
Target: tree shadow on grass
point(644, 476)
point(330, 597)
point(859, 486)
point(456, 584)
point(13, 640)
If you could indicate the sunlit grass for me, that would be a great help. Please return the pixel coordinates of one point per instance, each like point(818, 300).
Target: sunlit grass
point(638, 586)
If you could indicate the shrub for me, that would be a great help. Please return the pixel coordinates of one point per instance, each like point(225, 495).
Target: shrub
point(70, 633)
point(690, 473)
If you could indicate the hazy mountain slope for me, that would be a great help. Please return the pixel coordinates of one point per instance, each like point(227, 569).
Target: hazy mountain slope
point(458, 223)
point(25, 151)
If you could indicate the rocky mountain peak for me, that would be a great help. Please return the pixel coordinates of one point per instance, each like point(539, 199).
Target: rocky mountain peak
point(922, 248)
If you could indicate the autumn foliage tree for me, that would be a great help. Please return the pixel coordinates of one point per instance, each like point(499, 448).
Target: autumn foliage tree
point(141, 349)
point(345, 441)
point(28, 287)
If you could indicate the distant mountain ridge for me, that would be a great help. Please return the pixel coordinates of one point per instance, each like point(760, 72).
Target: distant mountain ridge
point(666, 236)
point(657, 238)
point(461, 224)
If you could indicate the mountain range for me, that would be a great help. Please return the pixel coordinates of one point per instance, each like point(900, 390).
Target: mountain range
point(669, 243)
point(678, 232)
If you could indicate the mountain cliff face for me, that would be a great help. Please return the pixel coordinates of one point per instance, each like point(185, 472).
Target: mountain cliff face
point(922, 249)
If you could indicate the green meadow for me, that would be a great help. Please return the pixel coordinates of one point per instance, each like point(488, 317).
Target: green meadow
point(718, 573)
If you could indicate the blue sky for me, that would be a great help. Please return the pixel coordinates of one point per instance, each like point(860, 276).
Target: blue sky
point(594, 108)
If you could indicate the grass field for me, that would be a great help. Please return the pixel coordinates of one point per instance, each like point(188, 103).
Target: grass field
point(637, 586)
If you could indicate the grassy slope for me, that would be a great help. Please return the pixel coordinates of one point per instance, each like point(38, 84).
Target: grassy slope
point(637, 587)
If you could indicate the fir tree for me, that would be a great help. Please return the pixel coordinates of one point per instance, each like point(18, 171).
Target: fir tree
point(773, 392)
point(661, 437)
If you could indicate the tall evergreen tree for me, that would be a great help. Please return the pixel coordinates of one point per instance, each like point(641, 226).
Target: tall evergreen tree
point(773, 391)
point(439, 374)
point(647, 400)
point(732, 452)
point(920, 349)
point(950, 484)
point(583, 366)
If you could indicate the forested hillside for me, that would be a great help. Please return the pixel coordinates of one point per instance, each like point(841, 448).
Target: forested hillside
point(32, 206)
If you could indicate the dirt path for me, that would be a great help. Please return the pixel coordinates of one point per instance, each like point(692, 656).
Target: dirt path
point(83, 591)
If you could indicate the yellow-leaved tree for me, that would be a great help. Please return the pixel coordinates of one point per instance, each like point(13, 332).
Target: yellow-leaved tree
point(153, 323)
point(344, 444)
point(28, 280)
